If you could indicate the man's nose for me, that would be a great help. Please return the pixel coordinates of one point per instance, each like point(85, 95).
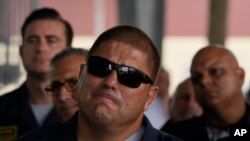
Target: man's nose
point(63, 93)
point(111, 80)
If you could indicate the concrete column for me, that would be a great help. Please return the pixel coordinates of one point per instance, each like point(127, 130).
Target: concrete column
point(145, 14)
point(218, 21)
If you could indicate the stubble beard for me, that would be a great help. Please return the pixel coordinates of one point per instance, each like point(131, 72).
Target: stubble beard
point(101, 116)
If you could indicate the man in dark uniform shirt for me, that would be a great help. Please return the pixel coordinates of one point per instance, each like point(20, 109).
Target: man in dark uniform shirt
point(116, 86)
point(44, 34)
point(217, 80)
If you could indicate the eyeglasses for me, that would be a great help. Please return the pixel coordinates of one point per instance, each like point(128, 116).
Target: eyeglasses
point(69, 84)
point(127, 76)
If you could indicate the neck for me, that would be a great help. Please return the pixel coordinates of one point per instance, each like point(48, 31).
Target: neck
point(226, 114)
point(36, 89)
point(87, 130)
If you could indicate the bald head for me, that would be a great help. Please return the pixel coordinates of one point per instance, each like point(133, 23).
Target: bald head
point(216, 75)
point(214, 51)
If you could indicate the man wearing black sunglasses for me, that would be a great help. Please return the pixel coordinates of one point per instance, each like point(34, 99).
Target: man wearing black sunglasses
point(116, 86)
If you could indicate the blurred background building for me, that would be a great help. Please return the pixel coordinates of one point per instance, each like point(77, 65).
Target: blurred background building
point(178, 28)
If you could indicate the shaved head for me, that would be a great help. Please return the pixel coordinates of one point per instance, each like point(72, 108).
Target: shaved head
point(215, 51)
point(216, 76)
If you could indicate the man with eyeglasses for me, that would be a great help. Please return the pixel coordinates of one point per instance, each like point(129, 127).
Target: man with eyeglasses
point(115, 88)
point(65, 69)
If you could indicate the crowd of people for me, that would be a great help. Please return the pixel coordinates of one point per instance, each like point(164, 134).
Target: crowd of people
point(118, 90)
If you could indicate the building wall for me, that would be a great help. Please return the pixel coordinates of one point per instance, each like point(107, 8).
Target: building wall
point(182, 18)
point(82, 13)
point(185, 30)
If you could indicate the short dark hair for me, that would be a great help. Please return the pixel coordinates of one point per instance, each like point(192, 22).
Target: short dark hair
point(44, 14)
point(134, 37)
point(68, 52)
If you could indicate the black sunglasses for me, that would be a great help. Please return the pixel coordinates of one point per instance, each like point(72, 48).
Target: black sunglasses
point(69, 84)
point(127, 76)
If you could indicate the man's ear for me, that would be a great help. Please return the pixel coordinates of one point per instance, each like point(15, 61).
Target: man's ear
point(81, 69)
point(241, 75)
point(151, 96)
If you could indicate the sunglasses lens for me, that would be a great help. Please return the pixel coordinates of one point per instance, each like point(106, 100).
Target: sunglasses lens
point(98, 67)
point(129, 77)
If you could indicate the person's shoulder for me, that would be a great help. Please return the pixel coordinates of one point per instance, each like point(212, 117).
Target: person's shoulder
point(152, 134)
point(193, 122)
point(40, 134)
point(12, 95)
point(192, 129)
point(12, 100)
point(162, 136)
point(57, 131)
